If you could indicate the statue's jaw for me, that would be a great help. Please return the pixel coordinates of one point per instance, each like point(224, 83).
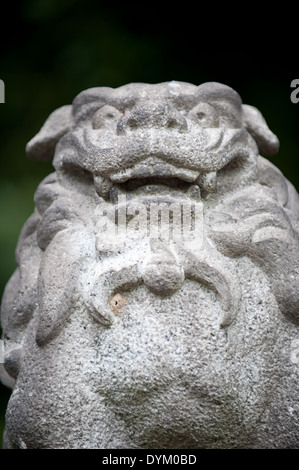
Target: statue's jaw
point(160, 178)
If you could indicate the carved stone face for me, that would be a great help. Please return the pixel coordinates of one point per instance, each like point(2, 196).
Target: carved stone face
point(119, 334)
point(167, 134)
point(171, 133)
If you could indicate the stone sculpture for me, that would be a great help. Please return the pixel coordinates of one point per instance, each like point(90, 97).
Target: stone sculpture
point(120, 335)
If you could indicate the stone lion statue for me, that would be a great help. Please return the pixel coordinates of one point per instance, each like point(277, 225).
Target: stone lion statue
point(119, 333)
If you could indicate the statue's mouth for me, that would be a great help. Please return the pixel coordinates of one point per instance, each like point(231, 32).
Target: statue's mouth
point(173, 164)
point(156, 168)
point(155, 177)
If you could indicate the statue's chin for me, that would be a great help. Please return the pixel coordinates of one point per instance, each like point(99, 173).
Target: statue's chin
point(167, 358)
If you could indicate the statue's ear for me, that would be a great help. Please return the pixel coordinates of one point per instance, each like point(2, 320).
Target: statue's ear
point(42, 146)
point(255, 124)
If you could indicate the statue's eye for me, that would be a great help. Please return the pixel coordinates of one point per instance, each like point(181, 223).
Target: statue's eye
point(205, 115)
point(105, 116)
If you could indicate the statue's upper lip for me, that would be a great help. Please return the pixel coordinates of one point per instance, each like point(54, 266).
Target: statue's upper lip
point(150, 167)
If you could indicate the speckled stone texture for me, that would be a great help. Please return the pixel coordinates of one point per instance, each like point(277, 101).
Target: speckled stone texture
point(123, 331)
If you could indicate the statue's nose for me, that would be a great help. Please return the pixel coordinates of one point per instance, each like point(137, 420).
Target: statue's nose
point(162, 115)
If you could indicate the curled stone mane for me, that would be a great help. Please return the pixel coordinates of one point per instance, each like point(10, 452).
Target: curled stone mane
point(157, 282)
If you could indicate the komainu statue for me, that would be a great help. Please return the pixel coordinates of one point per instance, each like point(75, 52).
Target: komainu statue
point(156, 300)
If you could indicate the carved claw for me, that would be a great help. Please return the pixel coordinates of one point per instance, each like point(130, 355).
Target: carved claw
point(265, 234)
point(100, 297)
point(57, 287)
point(243, 217)
point(208, 269)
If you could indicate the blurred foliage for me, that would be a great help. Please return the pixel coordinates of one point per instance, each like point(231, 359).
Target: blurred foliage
point(53, 49)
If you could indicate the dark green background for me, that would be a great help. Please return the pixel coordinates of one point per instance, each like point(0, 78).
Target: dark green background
point(52, 50)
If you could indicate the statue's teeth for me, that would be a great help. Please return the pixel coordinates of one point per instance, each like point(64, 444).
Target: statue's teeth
point(194, 192)
point(102, 186)
point(208, 181)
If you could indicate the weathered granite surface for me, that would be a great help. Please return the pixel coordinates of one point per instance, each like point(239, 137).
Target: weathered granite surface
point(141, 338)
